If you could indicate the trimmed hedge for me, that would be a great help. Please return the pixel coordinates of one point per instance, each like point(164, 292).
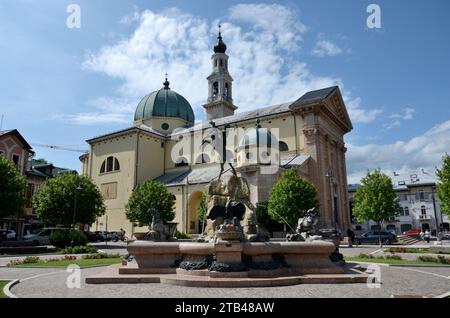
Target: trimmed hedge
point(63, 238)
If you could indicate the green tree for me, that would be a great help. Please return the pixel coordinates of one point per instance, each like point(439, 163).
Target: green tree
point(443, 189)
point(376, 199)
point(12, 189)
point(55, 201)
point(149, 196)
point(264, 219)
point(291, 197)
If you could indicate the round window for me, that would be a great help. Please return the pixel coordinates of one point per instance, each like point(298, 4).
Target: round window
point(165, 126)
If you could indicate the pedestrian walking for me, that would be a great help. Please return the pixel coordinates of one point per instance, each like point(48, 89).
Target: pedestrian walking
point(351, 237)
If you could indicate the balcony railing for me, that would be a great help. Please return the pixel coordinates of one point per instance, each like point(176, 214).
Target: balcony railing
point(424, 217)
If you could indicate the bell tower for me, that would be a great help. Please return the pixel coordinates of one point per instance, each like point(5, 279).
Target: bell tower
point(220, 97)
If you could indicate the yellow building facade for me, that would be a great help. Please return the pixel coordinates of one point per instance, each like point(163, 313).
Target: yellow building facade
point(309, 137)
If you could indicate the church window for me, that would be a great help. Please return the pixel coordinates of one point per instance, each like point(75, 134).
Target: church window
point(283, 146)
point(215, 88)
point(181, 162)
point(110, 164)
point(226, 89)
point(215, 63)
point(203, 158)
point(221, 62)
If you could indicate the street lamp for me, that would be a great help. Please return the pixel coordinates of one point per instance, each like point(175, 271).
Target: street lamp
point(79, 188)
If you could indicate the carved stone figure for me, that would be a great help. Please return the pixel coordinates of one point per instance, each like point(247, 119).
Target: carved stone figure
point(228, 202)
point(157, 229)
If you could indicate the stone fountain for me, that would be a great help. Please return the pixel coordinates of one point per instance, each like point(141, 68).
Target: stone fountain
point(233, 252)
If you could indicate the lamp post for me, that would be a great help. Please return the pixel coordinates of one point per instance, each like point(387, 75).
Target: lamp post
point(433, 188)
point(75, 210)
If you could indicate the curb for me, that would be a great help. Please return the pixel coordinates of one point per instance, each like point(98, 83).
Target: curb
point(57, 267)
point(446, 295)
point(400, 265)
point(6, 289)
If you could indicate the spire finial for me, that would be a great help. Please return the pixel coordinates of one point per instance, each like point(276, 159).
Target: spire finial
point(220, 47)
point(166, 83)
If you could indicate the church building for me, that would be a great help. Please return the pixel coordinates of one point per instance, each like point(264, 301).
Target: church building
point(310, 139)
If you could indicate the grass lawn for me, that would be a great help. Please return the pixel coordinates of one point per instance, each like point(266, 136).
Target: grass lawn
point(3, 283)
point(391, 261)
point(80, 262)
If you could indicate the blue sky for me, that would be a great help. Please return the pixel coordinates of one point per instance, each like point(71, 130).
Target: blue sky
point(61, 86)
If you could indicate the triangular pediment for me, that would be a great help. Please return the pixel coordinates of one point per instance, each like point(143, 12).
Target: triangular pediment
point(335, 104)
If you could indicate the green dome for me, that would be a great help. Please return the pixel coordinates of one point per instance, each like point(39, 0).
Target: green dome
point(257, 137)
point(164, 103)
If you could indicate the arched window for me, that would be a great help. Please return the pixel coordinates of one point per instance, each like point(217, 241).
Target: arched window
point(423, 210)
point(215, 88)
point(110, 164)
point(203, 158)
point(283, 146)
point(221, 62)
point(215, 63)
point(181, 162)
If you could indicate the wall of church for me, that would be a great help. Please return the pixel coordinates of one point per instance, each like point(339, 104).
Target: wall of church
point(150, 159)
point(116, 186)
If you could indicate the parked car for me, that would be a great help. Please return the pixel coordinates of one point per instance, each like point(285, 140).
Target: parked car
point(92, 236)
point(104, 236)
point(413, 232)
point(42, 237)
point(373, 237)
point(7, 235)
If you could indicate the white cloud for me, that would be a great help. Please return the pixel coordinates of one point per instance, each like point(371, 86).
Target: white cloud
point(130, 18)
point(359, 114)
point(406, 114)
point(181, 44)
point(397, 118)
point(423, 151)
point(326, 48)
point(272, 20)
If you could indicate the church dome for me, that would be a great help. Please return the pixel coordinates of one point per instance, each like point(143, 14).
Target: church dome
point(220, 47)
point(164, 103)
point(257, 137)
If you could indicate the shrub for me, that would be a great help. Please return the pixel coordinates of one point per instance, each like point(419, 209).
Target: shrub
point(428, 259)
point(26, 260)
point(362, 255)
point(100, 256)
point(180, 235)
point(88, 249)
point(396, 257)
point(63, 238)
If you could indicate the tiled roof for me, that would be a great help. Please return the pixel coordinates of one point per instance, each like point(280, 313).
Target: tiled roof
point(413, 179)
point(204, 173)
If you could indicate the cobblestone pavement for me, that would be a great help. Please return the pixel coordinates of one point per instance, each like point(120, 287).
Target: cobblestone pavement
point(422, 281)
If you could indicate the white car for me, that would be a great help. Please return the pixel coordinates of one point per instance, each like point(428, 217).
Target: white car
point(7, 234)
point(42, 237)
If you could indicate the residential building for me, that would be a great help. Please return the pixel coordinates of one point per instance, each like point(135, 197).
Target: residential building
point(416, 193)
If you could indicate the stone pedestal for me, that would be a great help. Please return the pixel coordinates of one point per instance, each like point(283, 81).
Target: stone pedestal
point(228, 252)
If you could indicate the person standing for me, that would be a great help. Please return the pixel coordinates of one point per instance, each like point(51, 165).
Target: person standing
point(427, 235)
point(351, 237)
